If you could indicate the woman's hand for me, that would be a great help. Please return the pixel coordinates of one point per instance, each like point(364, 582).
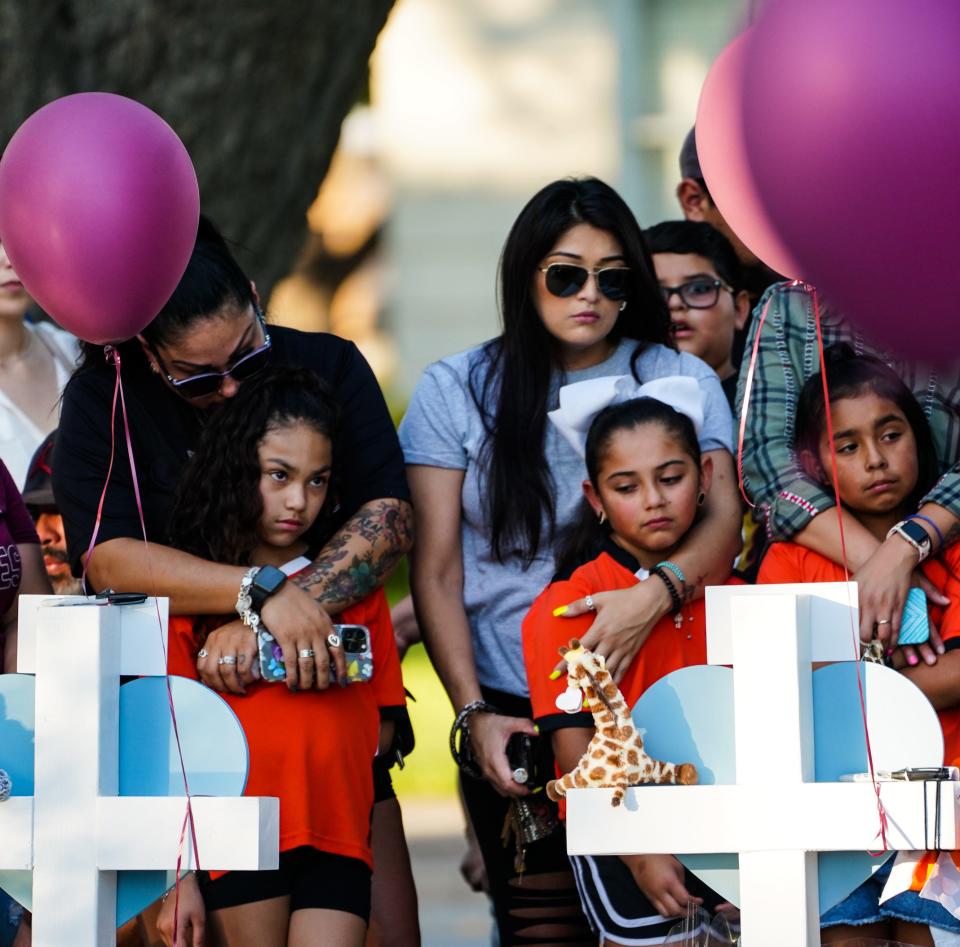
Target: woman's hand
point(300, 625)
point(624, 620)
point(229, 658)
point(489, 734)
point(191, 914)
point(661, 879)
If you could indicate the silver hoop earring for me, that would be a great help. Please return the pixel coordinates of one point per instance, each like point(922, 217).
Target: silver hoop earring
point(602, 518)
point(623, 305)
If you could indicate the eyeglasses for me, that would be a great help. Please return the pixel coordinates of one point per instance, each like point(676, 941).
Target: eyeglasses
point(697, 293)
point(209, 383)
point(565, 279)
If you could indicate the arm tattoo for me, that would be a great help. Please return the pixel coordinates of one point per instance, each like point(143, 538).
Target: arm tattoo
point(361, 554)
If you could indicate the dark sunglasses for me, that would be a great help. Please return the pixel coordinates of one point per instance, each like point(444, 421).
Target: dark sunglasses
point(697, 293)
point(566, 279)
point(209, 383)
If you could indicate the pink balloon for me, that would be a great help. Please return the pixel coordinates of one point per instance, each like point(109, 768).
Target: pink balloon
point(99, 206)
point(852, 124)
point(724, 162)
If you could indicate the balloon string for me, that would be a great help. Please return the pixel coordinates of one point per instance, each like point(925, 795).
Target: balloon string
point(113, 356)
point(881, 810)
point(747, 389)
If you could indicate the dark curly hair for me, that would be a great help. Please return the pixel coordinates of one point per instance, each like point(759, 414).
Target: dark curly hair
point(218, 504)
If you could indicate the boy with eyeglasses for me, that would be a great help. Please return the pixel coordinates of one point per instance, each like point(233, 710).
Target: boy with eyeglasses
point(700, 278)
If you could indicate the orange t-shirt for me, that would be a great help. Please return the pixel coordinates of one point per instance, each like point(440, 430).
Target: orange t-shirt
point(667, 648)
point(314, 749)
point(789, 562)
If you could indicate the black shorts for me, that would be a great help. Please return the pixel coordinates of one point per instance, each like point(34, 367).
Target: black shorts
point(309, 877)
point(618, 910)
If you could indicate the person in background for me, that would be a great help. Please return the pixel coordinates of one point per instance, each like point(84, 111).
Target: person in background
point(21, 570)
point(699, 275)
point(493, 482)
point(36, 359)
point(697, 204)
point(40, 502)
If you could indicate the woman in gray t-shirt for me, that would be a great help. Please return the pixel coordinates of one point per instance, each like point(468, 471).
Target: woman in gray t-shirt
point(492, 482)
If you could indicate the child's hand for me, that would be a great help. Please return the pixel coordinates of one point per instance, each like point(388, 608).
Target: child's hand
point(624, 620)
point(660, 878)
point(190, 912)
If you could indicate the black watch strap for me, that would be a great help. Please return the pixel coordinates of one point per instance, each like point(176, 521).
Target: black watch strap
point(265, 583)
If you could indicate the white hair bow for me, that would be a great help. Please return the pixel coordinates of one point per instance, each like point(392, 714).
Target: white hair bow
point(582, 401)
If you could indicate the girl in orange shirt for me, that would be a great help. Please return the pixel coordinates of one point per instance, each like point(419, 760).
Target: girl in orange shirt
point(885, 463)
point(647, 482)
point(255, 492)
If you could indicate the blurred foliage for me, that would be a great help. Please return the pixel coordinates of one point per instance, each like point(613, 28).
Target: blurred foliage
point(257, 92)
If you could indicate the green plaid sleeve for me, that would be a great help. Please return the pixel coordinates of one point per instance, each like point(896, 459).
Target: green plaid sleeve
point(772, 474)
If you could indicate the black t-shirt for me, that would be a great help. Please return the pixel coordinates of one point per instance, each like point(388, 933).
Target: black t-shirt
point(164, 428)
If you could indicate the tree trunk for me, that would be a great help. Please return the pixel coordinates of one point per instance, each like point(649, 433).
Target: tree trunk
point(256, 89)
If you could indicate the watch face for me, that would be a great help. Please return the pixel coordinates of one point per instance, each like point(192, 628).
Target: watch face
point(916, 532)
point(269, 579)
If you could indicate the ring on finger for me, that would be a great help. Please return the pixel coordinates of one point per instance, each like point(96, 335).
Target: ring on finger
point(333, 641)
point(883, 621)
point(227, 659)
point(306, 652)
point(588, 601)
point(202, 653)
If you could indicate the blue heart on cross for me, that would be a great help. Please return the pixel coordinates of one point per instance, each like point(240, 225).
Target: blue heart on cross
point(688, 716)
point(214, 748)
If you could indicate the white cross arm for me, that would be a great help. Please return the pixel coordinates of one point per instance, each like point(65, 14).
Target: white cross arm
point(16, 833)
point(838, 817)
point(232, 834)
point(142, 643)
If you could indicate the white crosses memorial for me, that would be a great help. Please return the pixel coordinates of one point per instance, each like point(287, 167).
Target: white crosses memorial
point(774, 816)
point(75, 832)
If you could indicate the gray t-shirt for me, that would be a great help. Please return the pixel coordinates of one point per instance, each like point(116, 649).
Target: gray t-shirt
point(443, 428)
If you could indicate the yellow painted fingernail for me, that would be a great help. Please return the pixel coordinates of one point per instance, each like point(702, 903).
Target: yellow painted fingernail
point(562, 610)
point(536, 729)
point(556, 674)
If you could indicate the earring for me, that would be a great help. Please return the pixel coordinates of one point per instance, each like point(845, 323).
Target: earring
point(623, 305)
point(602, 518)
point(700, 498)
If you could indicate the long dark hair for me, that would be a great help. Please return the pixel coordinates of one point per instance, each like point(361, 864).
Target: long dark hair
point(850, 375)
point(218, 504)
point(513, 374)
point(213, 279)
point(582, 540)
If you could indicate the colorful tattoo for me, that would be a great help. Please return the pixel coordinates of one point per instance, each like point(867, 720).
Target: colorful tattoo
point(361, 555)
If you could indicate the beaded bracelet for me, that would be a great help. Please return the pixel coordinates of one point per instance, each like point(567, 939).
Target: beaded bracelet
point(675, 602)
point(463, 756)
point(675, 569)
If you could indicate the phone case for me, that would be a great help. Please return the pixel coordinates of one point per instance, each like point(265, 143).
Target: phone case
point(272, 668)
point(915, 624)
point(355, 640)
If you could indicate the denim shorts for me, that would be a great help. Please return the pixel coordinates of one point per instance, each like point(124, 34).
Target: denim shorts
point(862, 906)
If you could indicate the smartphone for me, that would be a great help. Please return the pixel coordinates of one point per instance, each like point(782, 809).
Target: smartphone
point(915, 624)
point(354, 639)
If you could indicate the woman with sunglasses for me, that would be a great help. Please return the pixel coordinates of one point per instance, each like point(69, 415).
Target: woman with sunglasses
point(208, 340)
point(493, 484)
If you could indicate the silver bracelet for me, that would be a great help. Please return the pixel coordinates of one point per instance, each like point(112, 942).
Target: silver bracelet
point(244, 600)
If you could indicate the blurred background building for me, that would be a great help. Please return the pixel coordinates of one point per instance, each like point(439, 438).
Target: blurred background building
point(474, 105)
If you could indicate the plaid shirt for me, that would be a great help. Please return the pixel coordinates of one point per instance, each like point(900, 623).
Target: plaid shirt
point(786, 358)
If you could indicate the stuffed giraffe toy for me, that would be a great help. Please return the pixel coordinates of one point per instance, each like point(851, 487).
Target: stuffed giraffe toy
point(615, 756)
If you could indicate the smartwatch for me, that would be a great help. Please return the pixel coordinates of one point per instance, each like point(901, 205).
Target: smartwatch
point(912, 532)
point(265, 583)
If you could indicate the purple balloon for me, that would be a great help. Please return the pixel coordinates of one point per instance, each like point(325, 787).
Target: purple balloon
point(852, 126)
point(99, 206)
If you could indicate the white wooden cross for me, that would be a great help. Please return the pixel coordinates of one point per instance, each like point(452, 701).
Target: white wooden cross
point(775, 817)
point(75, 833)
